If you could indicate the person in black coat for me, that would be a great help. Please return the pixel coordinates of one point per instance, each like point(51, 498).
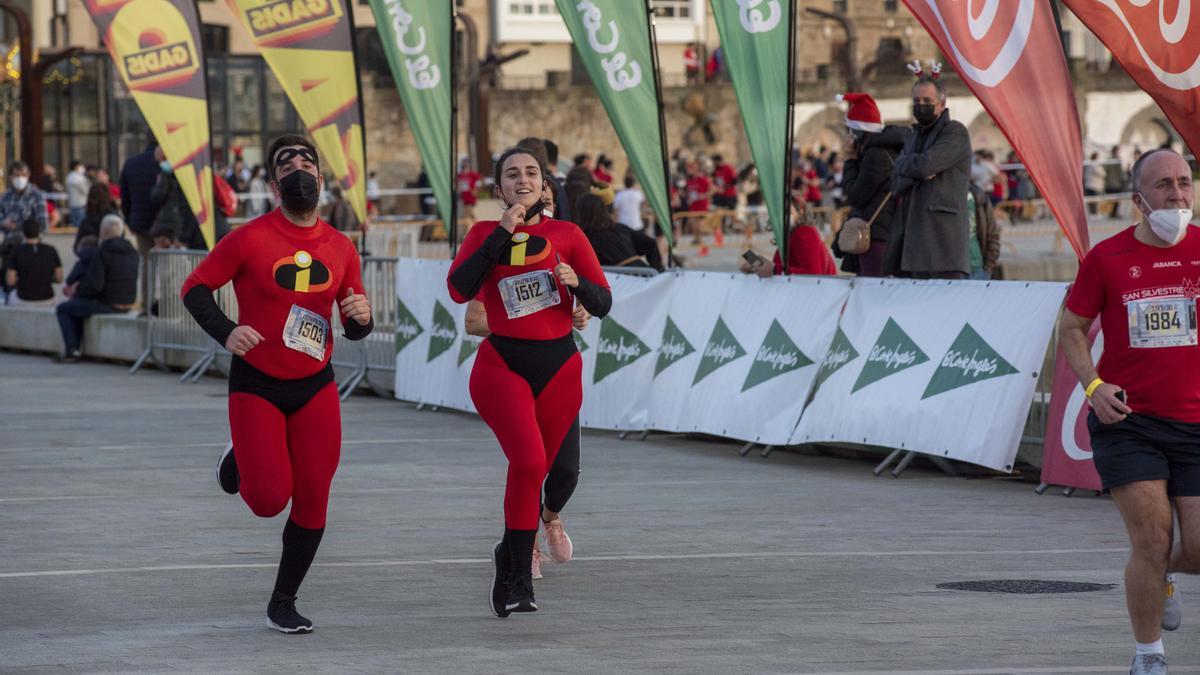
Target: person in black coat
point(137, 179)
point(930, 232)
point(613, 243)
point(108, 285)
point(870, 150)
point(174, 211)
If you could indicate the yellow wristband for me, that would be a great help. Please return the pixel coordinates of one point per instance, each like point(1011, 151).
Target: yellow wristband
point(1091, 388)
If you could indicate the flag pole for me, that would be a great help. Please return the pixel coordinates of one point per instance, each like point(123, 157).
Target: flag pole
point(787, 162)
point(452, 226)
point(362, 123)
point(668, 227)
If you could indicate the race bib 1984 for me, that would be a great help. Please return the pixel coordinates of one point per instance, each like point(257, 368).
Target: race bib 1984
point(1162, 322)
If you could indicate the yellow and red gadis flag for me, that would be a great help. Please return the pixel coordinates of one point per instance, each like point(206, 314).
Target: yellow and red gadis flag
point(309, 45)
point(155, 45)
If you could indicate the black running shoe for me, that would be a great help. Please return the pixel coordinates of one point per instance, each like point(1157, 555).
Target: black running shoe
point(283, 617)
point(227, 471)
point(500, 582)
point(520, 596)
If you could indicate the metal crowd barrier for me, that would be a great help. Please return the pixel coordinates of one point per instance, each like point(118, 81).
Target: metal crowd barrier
point(379, 348)
point(169, 326)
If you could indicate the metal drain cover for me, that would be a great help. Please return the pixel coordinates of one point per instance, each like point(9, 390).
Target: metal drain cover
point(1026, 586)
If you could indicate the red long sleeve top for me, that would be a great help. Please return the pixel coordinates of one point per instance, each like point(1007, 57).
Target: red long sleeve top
point(492, 254)
point(273, 265)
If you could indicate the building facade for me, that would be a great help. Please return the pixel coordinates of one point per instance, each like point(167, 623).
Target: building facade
point(89, 114)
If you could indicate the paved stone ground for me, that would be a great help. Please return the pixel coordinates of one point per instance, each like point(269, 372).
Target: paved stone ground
point(120, 554)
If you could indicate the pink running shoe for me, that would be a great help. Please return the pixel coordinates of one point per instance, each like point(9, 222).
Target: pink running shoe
point(536, 567)
point(558, 544)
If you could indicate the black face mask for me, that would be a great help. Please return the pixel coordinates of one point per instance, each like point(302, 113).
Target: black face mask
point(923, 113)
point(299, 191)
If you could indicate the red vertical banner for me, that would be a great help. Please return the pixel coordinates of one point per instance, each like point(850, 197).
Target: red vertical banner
point(156, 47)
point(1159, 49)
point(1067, 452)
point(1009, 54)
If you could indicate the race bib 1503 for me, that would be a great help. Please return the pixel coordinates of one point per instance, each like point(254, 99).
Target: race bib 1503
point(306, 332)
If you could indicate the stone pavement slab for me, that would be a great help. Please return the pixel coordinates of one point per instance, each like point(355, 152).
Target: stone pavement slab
point(120, 554)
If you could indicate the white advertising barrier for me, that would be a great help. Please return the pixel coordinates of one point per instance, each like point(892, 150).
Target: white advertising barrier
point(737, 355)
point(940, 368)
point(619, 353)
point(433, 354)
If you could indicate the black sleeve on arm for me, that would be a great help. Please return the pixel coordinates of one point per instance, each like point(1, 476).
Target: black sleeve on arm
point(354, 330)
point(204, 309)
point(468, 277)
point(597, 300)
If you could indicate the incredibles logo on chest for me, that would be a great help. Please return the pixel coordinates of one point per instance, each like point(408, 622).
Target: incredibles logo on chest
point(302, 273)
point(525, 249)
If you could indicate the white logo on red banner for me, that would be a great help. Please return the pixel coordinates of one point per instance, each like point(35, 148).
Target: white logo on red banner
point(1077, 411)
point(980, 27)
point(1171, 32)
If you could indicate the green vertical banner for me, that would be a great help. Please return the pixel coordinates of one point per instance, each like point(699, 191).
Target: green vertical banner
point(616, 46)
point(418, 36)
point(756, 38)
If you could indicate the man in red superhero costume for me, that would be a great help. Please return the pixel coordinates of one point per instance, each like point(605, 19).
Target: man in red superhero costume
point(288, 268)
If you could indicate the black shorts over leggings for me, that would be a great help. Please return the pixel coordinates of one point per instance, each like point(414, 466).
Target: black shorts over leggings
point(1142, 447)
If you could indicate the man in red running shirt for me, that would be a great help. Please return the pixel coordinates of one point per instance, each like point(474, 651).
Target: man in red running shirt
point(288, 269)
point(1145, 394)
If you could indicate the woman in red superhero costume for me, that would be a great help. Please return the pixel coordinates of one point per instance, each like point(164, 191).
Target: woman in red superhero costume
point(288, 268)
point(527, 380)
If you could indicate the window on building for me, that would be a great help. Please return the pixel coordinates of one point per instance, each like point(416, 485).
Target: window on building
point(371, 56)
point(215, 39)
point(90, 114)
point(74, 116)
point(840, 6)
point(532, 7)
point(891, 5)
point(672, 9)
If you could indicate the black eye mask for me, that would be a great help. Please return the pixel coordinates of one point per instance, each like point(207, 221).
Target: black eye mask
point(286, 155)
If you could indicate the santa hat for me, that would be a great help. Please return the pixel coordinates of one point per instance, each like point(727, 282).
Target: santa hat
point(863, 114)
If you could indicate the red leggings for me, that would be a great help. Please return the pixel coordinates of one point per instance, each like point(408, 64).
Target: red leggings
point(287, 457)
point(530, 419)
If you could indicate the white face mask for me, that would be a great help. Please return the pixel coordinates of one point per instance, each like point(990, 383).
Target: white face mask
point(19, 183)
point(1170, 225)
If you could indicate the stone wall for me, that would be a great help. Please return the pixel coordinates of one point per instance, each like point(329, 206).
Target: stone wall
point(572, 116)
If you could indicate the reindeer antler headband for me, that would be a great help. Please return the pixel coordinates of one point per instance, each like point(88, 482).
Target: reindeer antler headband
point(935, 69)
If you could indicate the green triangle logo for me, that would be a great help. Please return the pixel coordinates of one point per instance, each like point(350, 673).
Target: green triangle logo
point(893, 352)
point(675, 346)
point(722, 349)
point(407, 328)
point(777, 355)
point(580, 343)
point(841, 352)
point(618, 348)
point(443, 333)
point(969, 360)
point(467, 347)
